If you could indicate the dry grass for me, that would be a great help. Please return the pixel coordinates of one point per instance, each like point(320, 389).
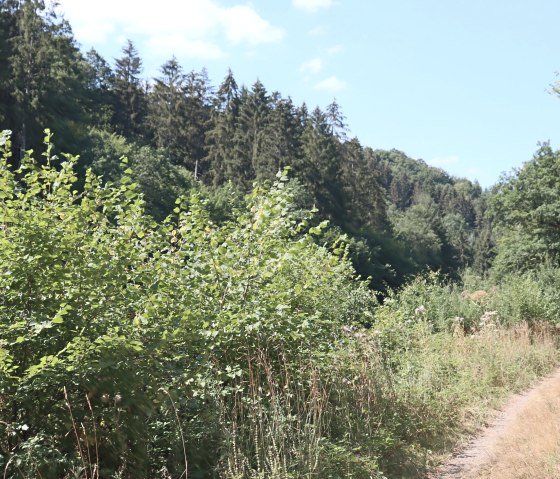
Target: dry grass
point(523, 442)
point(529, 446)
point(370, 408)
point(501, 362)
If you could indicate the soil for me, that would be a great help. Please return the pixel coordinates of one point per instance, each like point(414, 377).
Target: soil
point(522, 441)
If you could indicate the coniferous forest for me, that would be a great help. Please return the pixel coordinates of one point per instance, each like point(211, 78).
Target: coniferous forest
point(205, 279)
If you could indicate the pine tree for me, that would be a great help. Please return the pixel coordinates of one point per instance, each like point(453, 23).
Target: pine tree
point(47, 81)
point(198, 106)
point(248, 160)
point(219, 137)
point(336, 121)
point(365, 203)
point(282, 137)
point(167, 113)
point(99, 79)
point(129, 94)
point(320, 167)
point(8, 30)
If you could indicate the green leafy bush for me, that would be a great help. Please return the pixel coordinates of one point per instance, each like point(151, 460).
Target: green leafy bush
point(118, 332)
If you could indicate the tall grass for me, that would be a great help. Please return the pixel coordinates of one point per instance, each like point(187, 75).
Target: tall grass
point(388, 401)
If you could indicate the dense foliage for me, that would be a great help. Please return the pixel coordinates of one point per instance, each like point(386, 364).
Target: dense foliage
point(135, 348)
point(105, 313)
point(182, 134)
point(196, 294)
point(526, 205)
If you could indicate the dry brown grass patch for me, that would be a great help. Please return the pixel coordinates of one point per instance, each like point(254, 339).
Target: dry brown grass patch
point(529, 446)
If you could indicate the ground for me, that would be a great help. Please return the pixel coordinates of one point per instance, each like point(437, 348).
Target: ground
point(522, 442)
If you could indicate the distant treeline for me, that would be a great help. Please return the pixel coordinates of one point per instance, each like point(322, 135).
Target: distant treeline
point(181, 132)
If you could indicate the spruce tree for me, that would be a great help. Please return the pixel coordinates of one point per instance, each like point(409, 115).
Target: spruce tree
point(364, 198)
point(249, 160)
point(282, 137)
point(129, 94)
point(320, 167)
point(8, 9)
point(99, 80)
point(47, 81)
point(336, 121)
point(167, 113)
point(219, 137)
point(198, 105)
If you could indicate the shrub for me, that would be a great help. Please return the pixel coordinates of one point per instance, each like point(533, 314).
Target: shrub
point(130, 348)
point(121, 336)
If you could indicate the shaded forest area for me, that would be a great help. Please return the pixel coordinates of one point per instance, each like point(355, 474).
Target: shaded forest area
point(181, 132)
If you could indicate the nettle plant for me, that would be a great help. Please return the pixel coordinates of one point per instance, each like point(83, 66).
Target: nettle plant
point(119, 335)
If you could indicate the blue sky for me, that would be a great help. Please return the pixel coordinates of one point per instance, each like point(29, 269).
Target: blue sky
point(461, 84)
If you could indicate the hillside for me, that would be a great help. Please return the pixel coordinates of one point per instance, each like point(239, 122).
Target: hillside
point(181, 132)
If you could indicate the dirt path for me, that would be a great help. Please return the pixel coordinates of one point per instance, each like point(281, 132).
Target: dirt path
point(523, 441)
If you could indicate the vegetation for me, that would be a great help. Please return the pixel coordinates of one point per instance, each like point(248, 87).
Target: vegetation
point(526, 207)
point(136, 348)
point(528, 446)
point(223, 284)
point(232, 135)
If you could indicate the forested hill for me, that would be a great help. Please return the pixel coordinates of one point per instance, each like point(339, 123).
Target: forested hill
point(181, 132)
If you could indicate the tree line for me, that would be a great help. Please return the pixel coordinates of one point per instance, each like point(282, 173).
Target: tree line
point(181, 132)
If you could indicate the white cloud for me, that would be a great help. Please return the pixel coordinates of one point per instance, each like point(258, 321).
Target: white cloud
point(312, 5)
point(189, 27)
point(443, 161)
point(335, 49)
point(331, 84)
point(313, 66)
point(243, 25)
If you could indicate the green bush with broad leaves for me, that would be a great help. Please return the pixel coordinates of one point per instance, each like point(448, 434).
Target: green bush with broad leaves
point(123, 340)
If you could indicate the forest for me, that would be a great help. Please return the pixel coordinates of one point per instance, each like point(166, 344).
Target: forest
point(208, 280)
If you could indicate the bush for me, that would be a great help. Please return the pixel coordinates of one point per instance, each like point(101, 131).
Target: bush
point(121, 336)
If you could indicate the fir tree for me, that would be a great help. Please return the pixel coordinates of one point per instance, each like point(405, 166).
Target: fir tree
point(129, 94)
point(219, 137)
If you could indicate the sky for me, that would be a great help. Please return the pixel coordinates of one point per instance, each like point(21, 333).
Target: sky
point(462, 84)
